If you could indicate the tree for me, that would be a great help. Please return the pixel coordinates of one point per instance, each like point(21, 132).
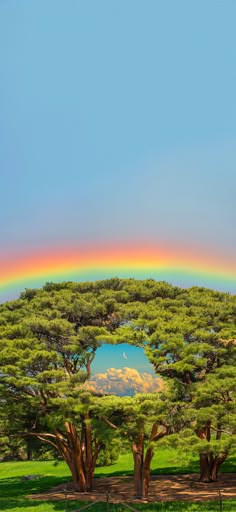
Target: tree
point(213, 416)
point(48, 340)
point(192, 342)
point(141, 420)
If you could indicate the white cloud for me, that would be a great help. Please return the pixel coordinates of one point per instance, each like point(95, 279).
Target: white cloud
point(125, 381)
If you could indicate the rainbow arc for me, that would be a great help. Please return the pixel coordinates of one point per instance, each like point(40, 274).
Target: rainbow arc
point(178, 266)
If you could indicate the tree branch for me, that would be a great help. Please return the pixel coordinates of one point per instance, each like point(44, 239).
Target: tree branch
point(219, 430)
point(161, 434)
point(35, 434)
point(110, 424)
point(47, 441)
point(40, 436)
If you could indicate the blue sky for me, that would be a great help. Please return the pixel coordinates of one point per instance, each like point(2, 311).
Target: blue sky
point(117, 122)
point(108, 356)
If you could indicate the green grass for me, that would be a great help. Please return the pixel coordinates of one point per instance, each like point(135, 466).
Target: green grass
point(13, 490)
point(174, 506)
point(165, 462)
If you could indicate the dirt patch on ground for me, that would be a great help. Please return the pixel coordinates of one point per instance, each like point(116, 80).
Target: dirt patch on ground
point(162, 488)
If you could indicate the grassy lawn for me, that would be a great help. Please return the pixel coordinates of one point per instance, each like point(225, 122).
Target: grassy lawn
point(174, 506)
point(165, 462)
point(13, 489)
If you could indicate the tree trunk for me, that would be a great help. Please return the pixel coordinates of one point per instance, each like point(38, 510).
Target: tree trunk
point(205, 469)
point(218, 460)
point(218, 433)
point(29, 449)
point(79, 453)
point(137, 449)
point(138, 467)
point(89, 457)
point(142, 469)
point(210, 465)
point(142, 465)
point(146, 470)
point(205, 458)
point(69, 446)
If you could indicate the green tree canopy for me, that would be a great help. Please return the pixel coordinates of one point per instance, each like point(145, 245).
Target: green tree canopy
point(49, 338)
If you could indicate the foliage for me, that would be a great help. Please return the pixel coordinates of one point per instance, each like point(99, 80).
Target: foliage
point(49, 338)
point(191, 341)
point(109, 453)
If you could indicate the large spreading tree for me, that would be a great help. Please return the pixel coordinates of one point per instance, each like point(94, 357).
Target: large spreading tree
point(49, 338)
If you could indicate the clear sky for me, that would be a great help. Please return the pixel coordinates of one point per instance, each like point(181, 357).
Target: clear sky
point(117, 122)
point(121, 356)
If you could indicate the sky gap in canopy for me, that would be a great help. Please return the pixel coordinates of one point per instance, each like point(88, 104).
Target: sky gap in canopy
point(117, 129)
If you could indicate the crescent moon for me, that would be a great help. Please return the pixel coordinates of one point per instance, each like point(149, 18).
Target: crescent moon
point(124, 355)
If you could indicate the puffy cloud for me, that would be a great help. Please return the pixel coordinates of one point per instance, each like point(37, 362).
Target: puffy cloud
point(125, 381)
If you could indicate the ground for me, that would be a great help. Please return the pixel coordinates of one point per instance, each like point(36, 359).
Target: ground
point(15, 489)
point(162, 488)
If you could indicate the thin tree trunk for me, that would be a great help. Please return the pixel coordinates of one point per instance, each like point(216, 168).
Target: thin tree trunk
point(218, 433)
point(137, 449)
point(138, 467)
point(205, 469)
point(218, 460)
point(89, 458)
point(29, 449)
point(146, 470)
point(205, 458)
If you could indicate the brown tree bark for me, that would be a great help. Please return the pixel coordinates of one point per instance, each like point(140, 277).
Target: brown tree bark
point(146, 470)
point(218, 460)
point(88, 453)
point(69, 446)
point(142, 463)
point(138, 449)
point(79, 453)
point(206, 458)
point(210, 465)
point(205, 468)
point(156, 434)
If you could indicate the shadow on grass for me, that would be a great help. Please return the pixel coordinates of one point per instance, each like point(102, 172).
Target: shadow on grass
point(17, 487)
point(192, 468)
point(229, 465)
point(174, 470)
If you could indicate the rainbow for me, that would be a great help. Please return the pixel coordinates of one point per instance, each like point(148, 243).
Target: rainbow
point(183, 267)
